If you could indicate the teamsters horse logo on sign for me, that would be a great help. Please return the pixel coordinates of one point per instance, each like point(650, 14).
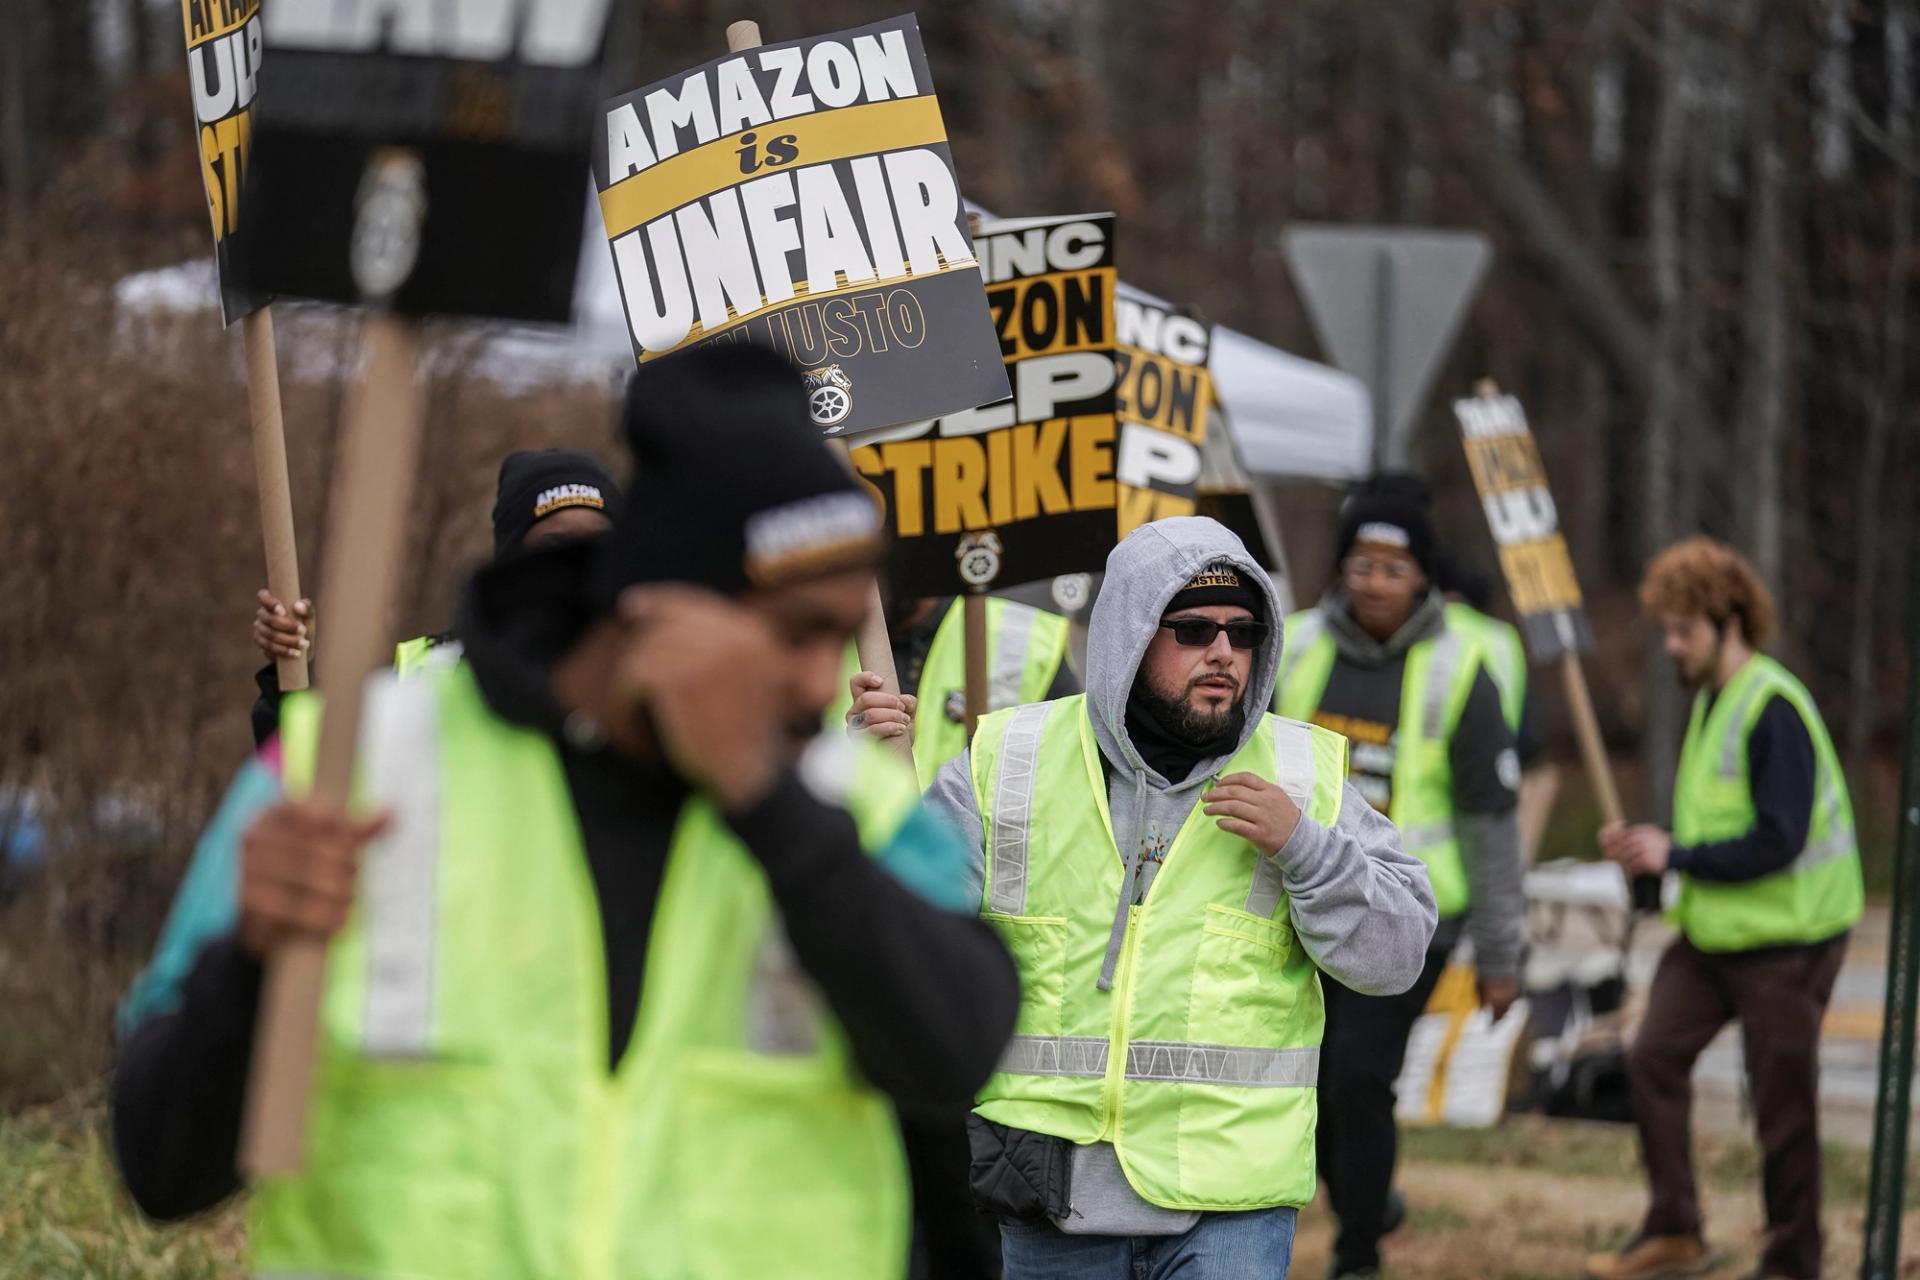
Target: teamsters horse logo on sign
point(979, 557)
point(829, 395)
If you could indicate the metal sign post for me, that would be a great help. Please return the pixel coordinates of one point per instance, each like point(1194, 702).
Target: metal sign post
point(1886, 1191)
point(1386, 303)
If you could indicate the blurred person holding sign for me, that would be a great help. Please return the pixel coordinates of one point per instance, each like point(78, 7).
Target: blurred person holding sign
point(542, 497)
point(1173, 869)
point(1768, 869)
point(1026, 662)
point(630, 969)
point(1378, 662)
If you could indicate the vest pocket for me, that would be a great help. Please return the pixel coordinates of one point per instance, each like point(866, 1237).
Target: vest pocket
point(1244, 979)
point(394, 1147)
point(1231, 922)
point(1039, 947)
point(780, 1166)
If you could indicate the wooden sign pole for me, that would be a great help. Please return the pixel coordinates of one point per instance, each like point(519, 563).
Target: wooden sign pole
point(366, 525)
point(871, 642)
point(270, 472)
point(1586, 727)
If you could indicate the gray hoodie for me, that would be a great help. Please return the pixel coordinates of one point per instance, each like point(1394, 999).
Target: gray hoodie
point(1363, 908)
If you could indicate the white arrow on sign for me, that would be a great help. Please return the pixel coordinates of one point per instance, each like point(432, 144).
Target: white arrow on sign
point(1386, 303)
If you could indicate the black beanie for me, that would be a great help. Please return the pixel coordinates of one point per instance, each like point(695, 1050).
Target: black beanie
point(1394, 507)
point(1219, 584)
point(538, 482)
point(733, 485)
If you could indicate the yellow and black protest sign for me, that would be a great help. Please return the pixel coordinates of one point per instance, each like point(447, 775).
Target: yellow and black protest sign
point(1021, 489)
point(223, 67)
point(1525, 523)
point(1163, 402)
point(802, 196)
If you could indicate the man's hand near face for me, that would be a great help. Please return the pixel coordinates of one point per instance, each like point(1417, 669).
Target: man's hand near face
point(708, 671)
point(1255, 809)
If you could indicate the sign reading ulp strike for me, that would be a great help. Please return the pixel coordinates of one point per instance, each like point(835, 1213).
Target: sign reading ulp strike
point(223, 66)
point(1021, 489)
point(1163, 399)
point(1526, 525)
point(801, 196)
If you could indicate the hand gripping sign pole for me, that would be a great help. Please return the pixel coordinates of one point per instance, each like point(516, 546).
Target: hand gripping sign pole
point(1533, 556)
point(377, 457)
point(871, 642)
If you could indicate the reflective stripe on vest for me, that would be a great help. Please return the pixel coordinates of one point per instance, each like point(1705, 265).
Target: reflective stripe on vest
point(1504, 653)
point(1293, 771)
point(1013, 808)
point(402, 753)
point(1198, 1063)
point(1165, 1060)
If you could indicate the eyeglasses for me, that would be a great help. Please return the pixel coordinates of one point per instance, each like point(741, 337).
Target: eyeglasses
point(1391, 570)
point(1198, 633)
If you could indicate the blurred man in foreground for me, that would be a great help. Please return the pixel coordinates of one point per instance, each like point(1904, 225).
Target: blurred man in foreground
point(1173, 869)
point(1763, 847)
point(1431, 749)
point(542, 497)
point(638, 967)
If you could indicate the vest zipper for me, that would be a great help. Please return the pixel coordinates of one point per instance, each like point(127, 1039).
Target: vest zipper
point(1117, 1042)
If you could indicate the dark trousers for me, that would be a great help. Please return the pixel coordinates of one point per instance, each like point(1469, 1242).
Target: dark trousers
point(1366, 1039)
point(952, 1240)
point(1779, 994)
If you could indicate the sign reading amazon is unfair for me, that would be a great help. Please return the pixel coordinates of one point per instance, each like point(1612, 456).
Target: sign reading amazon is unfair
point(1022, 489)
point(802, 196)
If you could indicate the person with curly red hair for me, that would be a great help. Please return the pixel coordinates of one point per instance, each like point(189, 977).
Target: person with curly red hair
point(1768, 873)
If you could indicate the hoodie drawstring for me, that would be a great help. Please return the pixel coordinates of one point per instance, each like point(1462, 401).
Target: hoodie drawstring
point(1138, 856)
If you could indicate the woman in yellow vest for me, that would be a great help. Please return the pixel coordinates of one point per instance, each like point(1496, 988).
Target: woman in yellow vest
point(638, 967)
point(1769, 881)
point(1173, 869)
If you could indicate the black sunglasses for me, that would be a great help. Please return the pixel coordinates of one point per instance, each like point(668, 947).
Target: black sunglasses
point(1198, 633)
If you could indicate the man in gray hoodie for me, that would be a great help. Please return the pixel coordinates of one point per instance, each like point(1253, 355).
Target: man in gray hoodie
point(1173, 869)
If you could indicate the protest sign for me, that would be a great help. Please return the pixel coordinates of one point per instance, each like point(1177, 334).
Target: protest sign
point(224, 45)
point(802, 196)
point(1163, 401)
point(1533, 556)
point(1020, 489)
point(1526, 525)
point(495, 100)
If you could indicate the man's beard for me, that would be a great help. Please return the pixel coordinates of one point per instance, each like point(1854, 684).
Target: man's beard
point(1696, 681)
point(1212, 731)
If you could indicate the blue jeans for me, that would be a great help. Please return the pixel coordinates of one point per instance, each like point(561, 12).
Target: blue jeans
point(1253, 1245)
